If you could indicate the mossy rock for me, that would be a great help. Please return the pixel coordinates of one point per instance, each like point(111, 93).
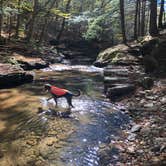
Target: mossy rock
point(111, 55)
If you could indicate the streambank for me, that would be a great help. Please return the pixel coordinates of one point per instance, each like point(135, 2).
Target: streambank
point(141, 95)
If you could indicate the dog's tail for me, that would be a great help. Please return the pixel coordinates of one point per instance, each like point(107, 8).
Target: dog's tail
point(77, 94)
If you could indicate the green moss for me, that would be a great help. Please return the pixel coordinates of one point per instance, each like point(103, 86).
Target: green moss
point(111, 55)
point(117, 57)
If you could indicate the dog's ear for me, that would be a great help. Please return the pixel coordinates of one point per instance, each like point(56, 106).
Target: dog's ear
point(47, 87)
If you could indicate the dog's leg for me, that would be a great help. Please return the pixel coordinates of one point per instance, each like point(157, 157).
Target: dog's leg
point(55, 99)
point(69, 100)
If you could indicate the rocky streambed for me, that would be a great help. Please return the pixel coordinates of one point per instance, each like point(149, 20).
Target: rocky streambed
point(141, 95)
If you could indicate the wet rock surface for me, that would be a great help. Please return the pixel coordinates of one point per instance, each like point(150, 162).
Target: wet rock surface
point(11, 75)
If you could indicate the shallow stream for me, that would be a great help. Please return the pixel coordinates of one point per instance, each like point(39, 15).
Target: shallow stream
point(32, 138)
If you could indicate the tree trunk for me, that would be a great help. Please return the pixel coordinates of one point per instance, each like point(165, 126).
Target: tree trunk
point(122, 19)
point(153, 18)
point(143, 18)
point(139, 17)
point(43, 31)
point(160, 23)
point(44, 27)
point(18, 20)
point(10, 27)
point(136, 21)
point(63, 21)
point(1, 16)
point(31, 26)
point(147, 20)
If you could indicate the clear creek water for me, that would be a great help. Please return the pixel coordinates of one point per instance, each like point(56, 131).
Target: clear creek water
point(32, 138)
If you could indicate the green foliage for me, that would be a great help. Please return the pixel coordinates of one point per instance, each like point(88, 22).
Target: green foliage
point(91, 19)
point(95, 28)
point(9, 11)
point(12, 61)
point(27, 6)
point(58, 12)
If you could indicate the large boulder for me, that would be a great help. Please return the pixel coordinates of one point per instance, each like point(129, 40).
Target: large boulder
point(11, 75)
point(120, 54)
point(150, 64)
point(159, 55)
point(148, 45)
point(119, 90)
point(154, 58)
point(29, 63)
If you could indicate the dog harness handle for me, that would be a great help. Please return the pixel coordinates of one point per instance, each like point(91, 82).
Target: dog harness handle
point(58, 91)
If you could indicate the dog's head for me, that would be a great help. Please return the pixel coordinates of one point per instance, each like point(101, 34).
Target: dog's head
point(47, 87)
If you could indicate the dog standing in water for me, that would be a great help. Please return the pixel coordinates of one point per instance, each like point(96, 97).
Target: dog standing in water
point(58, 93)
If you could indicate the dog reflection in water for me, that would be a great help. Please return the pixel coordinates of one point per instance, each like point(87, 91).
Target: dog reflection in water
point(52, 112)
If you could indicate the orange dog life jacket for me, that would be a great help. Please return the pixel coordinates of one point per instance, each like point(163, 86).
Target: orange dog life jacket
point(58, 91)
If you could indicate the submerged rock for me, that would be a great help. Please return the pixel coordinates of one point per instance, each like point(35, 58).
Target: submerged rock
point(131, 137)
point(32, 142)
point(11, 75)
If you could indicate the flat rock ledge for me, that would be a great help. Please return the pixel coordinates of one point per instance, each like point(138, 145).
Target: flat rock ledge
point(119, 81)
point(11, 75)
point(30, 63)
